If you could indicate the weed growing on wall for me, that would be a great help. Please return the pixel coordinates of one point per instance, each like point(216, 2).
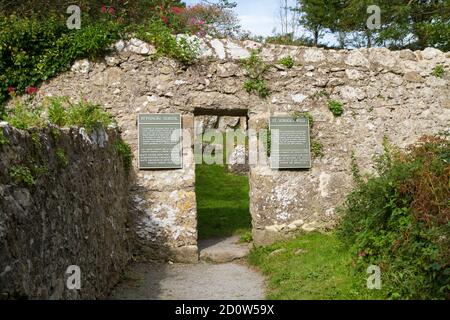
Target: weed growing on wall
point(336, 107)
point(22, 175)
point(438, 71)
point(3, 140)
point(255, 68)
point(303, 114)
point(61, 158)
point(288, 62)
point(124, 151)
point(317, 149)
point(185, 49)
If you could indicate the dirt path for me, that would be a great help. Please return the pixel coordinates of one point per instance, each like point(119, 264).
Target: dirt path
point(233, 281)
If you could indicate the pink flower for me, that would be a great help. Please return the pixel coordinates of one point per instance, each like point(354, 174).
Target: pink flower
point(361, 254)
point(11, 90)
point(201, 22)
point(104, 9)
point(31, 90)
point(193, 21)
point(112, 10)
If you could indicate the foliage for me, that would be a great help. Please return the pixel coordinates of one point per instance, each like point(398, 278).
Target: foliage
point(58, 111)
point(287, 61)
point(399, 219)
point(222, 202)
point(33, 49)
point(246, 237)
point(317, 149)
point(24, 116)
point(438, 71)
point(258, 86)
point(185, 49)
point(311, 266)
point(61, 158)
point(266, 137)
point(335, 107)
point(22, 175)
point(255, 68)
point(3, 140)
point(303, 114)
point(124, 151)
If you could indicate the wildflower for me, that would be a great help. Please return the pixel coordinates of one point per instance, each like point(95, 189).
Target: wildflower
point(31, 90)
point(104, 9)
point(11, 90)
point(361, 254)
point(112, 10)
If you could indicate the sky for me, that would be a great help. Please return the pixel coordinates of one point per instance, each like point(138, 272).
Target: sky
point(257, 16)
point(260, 17)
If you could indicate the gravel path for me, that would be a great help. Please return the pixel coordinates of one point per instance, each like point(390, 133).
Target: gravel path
point(233, 281)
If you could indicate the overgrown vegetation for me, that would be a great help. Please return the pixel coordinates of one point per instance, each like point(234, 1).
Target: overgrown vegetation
point(438, 71)
point(317, 149)
point(22, 175)
point(287, 61)
point(312, 266)
point(3, 140)
point(336, 107)
point(124, 151)
point(61, 158)
point(399, 219)
point(58, 111)
point(255, 68)
point(303, 114)
point(222, 202)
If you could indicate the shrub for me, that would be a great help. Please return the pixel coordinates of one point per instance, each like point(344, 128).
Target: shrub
point(57, 114)
point(288, 62)
point(185, 50)
point(87, 115)
point(335, 107)
point(34, 49)
point(399, 219)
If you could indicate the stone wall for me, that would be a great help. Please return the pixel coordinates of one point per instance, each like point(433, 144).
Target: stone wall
point(75, 213)
point(384, 93)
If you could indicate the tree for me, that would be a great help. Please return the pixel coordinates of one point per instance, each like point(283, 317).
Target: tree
point(317, 16)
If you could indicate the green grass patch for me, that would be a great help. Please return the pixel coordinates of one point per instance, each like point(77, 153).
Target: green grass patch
point(312, 266)
point(222, 202)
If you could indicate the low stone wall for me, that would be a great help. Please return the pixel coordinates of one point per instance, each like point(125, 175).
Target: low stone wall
point(73, 211)
point(384, 93)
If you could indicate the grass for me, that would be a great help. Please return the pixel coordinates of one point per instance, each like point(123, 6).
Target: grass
point(320, 270)
point(222, 202)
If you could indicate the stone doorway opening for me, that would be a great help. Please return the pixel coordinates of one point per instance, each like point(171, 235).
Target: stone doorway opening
point(222, 184)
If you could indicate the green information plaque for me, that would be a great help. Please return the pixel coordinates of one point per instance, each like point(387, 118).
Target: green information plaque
point(290, 144)
point(160, 141)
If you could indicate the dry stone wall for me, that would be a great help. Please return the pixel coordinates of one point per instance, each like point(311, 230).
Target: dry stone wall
point(384, 93)
point(75, 213)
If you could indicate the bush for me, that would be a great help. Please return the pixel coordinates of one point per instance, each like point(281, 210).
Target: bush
point(399, 219)
point(32, 49)
point(124, 150)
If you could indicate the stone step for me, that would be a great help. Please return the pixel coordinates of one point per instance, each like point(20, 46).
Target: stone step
point(223, 250)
